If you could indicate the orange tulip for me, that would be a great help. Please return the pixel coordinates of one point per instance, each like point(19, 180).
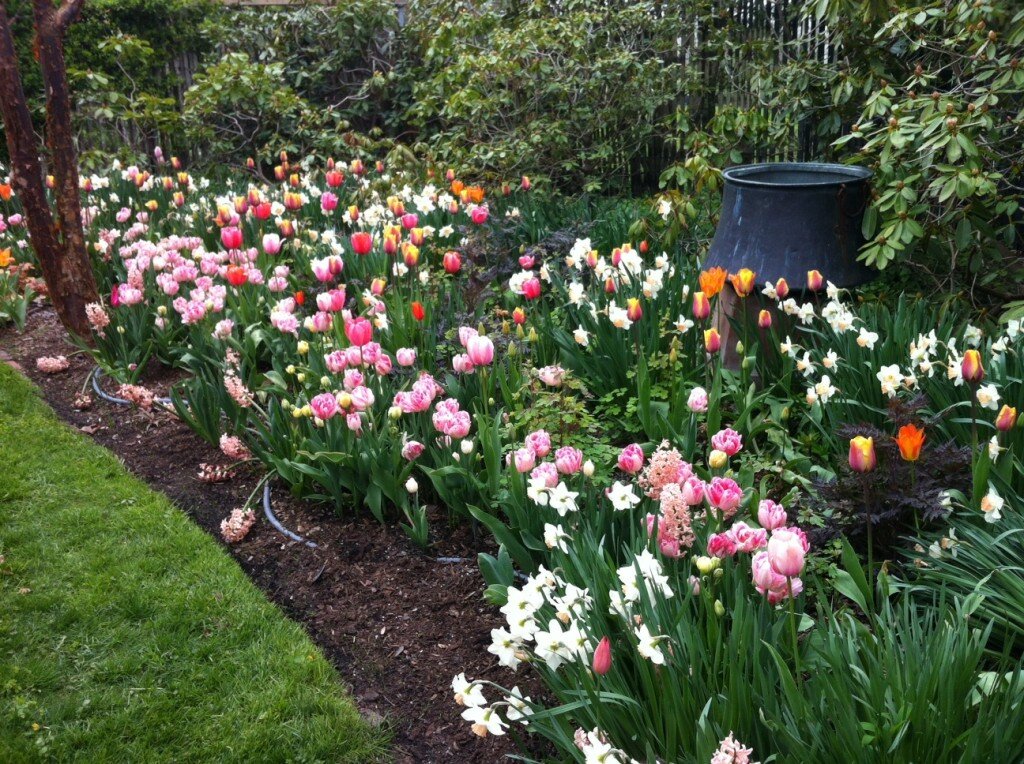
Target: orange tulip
point(910, 440)
point(457, 186)
point(712, 281)
point(5, 257)
point(5, 191)
point(743, 282)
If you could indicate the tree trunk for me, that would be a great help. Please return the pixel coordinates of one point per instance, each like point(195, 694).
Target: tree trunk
point(59, 245)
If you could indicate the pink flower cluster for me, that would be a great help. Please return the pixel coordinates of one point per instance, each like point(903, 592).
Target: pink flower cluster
point(52, 364)
point(237, 527)
point(141, 396)
point(233, 447)
point(424, 391)
point(450, 420)
point(731, 751)
point(674, 525)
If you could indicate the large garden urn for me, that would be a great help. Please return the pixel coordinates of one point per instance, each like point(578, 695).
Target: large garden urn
point(783, 220)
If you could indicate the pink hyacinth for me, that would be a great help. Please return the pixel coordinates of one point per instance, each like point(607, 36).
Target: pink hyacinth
point(631, 458)
point(727, 440)
point(324, 406)
point(568, 460)
point(675, 525)
point(235, 528)
point(666, 467)
point(52, 364)
point(539, 442)
point(233, 447)
point(731, 751)
point(771, 515)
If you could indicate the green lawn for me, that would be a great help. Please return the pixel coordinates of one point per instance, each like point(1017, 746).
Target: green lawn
point(127, 634)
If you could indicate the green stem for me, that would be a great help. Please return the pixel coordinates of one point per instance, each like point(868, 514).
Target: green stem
point(793, 634)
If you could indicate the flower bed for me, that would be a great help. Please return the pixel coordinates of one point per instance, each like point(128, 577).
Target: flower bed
point(688, 529)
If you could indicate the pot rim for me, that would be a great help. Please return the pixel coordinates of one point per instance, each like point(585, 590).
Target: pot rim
point(740, 175)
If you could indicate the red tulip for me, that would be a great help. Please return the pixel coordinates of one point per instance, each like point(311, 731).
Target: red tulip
point(263, 211)
point(362, 243)
point(452, 262)
point(418, 311)
point(334, 178)
point(531, 288)
point(237, 275)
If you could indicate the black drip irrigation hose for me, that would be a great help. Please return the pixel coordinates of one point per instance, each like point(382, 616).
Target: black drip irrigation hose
point(272, 518)
point(98, 372)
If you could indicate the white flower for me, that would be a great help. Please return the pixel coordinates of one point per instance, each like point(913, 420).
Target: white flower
point(485, 721)
point(769, 291)
point(805, 365)
point(518, 707)
point(618, 316)
point(822, 391)
point(582, 336)
point(621, 496)
point(867, 339)
point(552, 645)
point(788, 347)
point(890, 378)
point(832, 291)
point(555, 536)
point(993, 448)
point(664, 208)
point(411, 486)
point(988, 397)
point(648, 646)
point(562, 500)
point(683, 324)
point(991, 503)
point(506, 647)
point(576, 293)
point(467, 693)
point(829, 361)
point(972, 335)
point(806, 313)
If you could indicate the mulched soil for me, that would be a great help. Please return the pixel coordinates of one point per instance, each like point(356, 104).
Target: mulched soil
point(397, 624)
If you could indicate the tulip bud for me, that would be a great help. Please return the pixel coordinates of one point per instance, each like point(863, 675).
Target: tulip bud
point(815, 281)
point(411, 485)
point(603, 657)
point(1007, 418)
point(705, 564)
point(634, 312)
point(712, 340)
point(717, 459)
point(782, 289)
point(588, 468)
point(394, 413)
point(302, 347)
point(701, 306)
point(970, 368)
point(862, 454)
point(764, 320)
point(719, 608)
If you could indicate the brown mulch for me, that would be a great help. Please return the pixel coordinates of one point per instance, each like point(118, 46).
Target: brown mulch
point(397, 624)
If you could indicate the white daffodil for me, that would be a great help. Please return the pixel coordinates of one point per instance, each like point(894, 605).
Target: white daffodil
point(991, 504)
point(867, 339)
point(890, 378)
point(485, 721)
point(506, 647)
point(648, 646)
point(988, 397)
point(555, 537)
point(581, 336)
point(562, 500)
point(467, 693)
point(621, 496)
point(519, 707)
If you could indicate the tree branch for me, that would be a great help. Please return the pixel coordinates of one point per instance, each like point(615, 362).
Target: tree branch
point(67, 13)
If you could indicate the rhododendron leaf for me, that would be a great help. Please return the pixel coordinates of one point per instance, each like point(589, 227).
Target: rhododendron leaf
point(497, 570)
point(505, 537)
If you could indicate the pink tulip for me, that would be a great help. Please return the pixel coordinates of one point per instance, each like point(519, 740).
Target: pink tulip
point(721, 545)
point(324, 406)
point(479, 215)
point(465, 334)
point(383, 364)
point(412, 450)
point(359, 331)
point(694, 490)
point(524, 459)
point(406, 356)
point(771, 515)
point(603, 657)
point(409, 220)
point(531, 288)
point(336, 361)
point(362, 243)
point(328, 201)
point(231, 237)
point(451, 262)
point(724, 494)
point(748, 539)
point(362, 398)
point(698, 400)
point(271, 243)
point(631, 459)
point(462, 364)
point(539, 442)
point(727, 440)
point(568, 460)
point(546, 472)
point(786, 553)
point(480, 350)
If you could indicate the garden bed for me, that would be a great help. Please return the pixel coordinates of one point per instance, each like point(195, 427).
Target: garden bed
point(396, 623)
